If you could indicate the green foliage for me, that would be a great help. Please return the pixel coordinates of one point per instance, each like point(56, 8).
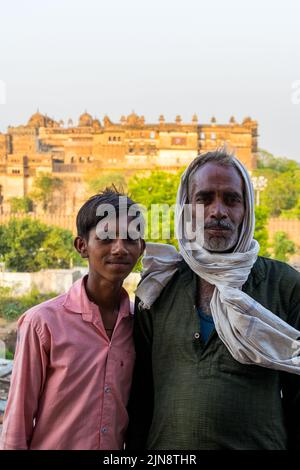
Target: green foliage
point(279, 164)
point(57, 250)
point(21, 205)
point(158, 188)
point(30, 245)
point(9, 355)
point(282, 194)
point(96, 184)
point(261, 232)
point(293, 213)
point(11, 307)
point(43, 189)
point(283, 247)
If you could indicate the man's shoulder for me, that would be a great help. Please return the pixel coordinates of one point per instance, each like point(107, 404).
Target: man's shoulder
point(267, 267)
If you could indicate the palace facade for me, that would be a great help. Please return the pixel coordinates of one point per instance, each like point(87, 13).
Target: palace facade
point(69, 151)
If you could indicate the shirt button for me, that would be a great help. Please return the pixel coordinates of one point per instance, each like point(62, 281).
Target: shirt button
point(104, 430)
point(196, 335)
point(107, 389)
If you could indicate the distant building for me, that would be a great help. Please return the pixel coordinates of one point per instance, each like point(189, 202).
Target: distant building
point(45, 145)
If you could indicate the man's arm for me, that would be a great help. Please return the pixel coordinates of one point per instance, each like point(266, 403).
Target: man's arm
point(27, 382)
point(291, 385)
point(140, 405)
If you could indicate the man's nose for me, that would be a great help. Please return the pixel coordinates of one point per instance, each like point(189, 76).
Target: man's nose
point(218, 210)
point(119, 247)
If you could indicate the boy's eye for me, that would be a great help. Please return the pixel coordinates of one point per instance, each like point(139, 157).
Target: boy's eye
point(104, 238)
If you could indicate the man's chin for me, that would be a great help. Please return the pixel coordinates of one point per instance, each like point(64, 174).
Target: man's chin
point(219, 245)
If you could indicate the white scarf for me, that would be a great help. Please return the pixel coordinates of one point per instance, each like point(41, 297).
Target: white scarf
point(251, 333)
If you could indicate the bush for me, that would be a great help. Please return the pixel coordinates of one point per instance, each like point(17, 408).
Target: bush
point(28, 245)
point(11, 308)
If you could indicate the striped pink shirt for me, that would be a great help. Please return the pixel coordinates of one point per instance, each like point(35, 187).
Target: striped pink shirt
point(70, 383)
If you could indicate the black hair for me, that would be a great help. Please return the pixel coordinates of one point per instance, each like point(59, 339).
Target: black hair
point(87, 217)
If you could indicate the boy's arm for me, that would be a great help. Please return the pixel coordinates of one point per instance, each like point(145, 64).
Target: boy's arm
point(27, 382)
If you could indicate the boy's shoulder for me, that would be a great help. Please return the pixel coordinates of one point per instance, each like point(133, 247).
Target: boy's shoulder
point(44, 311)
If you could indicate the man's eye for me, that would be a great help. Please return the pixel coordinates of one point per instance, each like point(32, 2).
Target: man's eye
point(233, 199)
point(202, 199)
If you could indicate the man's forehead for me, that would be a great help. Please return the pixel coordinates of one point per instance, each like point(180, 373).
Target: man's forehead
point(212, 176)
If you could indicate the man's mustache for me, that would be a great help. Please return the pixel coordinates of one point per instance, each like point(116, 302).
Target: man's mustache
point(219, 224)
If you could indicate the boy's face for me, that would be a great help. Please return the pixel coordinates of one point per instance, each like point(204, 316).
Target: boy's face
point(112, 258)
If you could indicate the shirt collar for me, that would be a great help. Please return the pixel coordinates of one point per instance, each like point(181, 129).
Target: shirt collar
point(77, 301)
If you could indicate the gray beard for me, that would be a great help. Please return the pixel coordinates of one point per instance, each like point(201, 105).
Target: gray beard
point(221, 244)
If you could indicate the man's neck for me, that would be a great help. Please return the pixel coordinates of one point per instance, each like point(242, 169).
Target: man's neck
point(204, 294)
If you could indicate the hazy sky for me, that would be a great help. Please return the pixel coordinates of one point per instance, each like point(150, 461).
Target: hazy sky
point(166, 57)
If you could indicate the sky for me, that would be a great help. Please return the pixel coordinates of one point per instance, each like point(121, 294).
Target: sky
point(214, 58)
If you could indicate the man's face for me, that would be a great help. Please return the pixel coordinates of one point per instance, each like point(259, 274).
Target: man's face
point(220, 190)
point(110, 258)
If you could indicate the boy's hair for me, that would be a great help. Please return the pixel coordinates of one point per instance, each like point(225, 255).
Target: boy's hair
point(87, 218)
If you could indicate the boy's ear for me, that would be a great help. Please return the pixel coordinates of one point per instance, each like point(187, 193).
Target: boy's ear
point(80, 245)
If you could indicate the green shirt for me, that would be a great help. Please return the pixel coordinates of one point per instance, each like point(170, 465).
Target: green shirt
point(191, 395)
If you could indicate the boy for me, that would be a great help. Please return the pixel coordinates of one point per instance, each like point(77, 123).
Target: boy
point(75, 355)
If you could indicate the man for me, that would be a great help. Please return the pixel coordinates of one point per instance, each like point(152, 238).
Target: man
point(75, 354)
point(216, 332)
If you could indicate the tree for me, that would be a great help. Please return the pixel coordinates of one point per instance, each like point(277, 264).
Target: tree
point(280, 164)
point(57, 250)
point(98, 183)
point(21, 204)
point(283, 247)
point(44, 188)
point(29, 245)
point(261, 231)
point(282, 194)
point(159, 188)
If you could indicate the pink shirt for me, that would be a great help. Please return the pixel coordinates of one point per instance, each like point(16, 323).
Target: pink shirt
point(70, 383)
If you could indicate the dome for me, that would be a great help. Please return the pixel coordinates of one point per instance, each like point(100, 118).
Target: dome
point(107, 122)
point(132, 119)
point(37, 120)
point(247, 120)
point(85, 120)
point(96, 124)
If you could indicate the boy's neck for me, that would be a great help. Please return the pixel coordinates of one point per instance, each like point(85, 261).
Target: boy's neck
point(102, 292)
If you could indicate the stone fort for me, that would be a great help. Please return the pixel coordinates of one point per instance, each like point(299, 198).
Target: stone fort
point(70, 151)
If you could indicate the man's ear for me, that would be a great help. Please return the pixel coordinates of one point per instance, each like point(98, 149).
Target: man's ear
point(80, 245)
